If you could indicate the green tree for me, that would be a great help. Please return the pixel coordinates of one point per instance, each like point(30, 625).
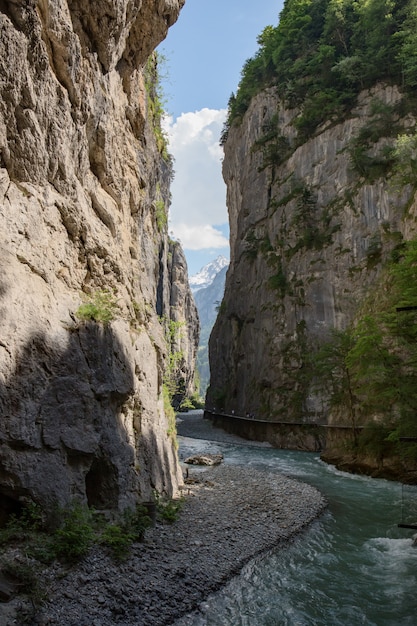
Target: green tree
point(338, 26)
point(332, 372)
point(371, 38)
point(405, 159)
point(371, 369)
point(373, 364)
point(323, 52)
point(406, 40)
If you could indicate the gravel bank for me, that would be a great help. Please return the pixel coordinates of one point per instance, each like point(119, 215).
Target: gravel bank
point(231, 513)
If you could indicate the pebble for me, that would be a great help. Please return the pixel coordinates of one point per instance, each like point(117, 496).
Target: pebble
point(177, 566)
point(232, 514)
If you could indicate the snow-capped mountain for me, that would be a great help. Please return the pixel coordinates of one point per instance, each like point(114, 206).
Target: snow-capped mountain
point(206, 275)
point(208, 300)
point(208, 288)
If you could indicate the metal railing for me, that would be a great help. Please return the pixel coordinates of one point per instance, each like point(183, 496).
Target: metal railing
point(309, 421)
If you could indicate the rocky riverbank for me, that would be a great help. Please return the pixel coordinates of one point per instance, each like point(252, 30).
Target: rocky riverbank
point(230, 514)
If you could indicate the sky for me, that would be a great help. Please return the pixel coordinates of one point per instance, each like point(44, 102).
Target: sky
point(204, 54)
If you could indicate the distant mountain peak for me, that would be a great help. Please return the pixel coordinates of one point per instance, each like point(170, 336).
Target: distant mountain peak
point(207, 274)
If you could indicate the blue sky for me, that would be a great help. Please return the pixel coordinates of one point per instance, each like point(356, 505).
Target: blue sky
point(205, 52)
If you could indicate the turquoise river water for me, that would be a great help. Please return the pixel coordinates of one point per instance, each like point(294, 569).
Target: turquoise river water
point(352, 567)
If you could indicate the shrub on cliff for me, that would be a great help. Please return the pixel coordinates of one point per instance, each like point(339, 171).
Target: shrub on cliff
point(101, 306)
point(324, 52)
point(369, 370)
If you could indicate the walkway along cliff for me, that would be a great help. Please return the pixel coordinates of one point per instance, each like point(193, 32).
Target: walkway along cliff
point(89, 277)
point(320, 225)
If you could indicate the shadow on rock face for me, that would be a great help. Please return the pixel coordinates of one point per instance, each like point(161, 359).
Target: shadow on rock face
point(61, 432)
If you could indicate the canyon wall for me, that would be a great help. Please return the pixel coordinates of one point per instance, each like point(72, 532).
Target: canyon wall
point(87, 266)
point(310, 233)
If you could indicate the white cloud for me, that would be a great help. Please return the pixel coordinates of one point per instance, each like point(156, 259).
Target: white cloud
point(198, 190)
point(199, 237)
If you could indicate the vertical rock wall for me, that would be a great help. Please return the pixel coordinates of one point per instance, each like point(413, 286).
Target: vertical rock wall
point(81, 184)
point(309, 235)
point(180, 320)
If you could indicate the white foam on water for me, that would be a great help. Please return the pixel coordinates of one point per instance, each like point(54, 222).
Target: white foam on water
point(354, 566)
point(392, 564)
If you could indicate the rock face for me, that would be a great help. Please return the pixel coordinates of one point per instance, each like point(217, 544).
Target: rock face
point(84, 190)
point(207, 301)
point(309, 235)
point(178, 311)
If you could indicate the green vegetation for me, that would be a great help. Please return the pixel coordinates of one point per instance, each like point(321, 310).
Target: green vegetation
point(118, 537)
point(26, 575)
point(221, 306)
point(101, 307)
point(323, 52)
point(74, 537)
point(193, 402)
point(170, 413)
point(318, 59)
point(117, 540)
point(374, 250)
point(275, 148)
point(174, 390)
point(160, 210)
point(168, 509)
point(252, 246)
point(278, 280)
point(371, 368)
point(68, 538)
point(404, 157)
point(256, 245)
point(203, 367)
point(219, 397)
point(174, 385)
point(314, 228)
point(21, 527)
point(332, 373)
point(369, 162)
point(306, 227)
point(297, 368)
point(172, 332)
point(30, 539)
point(156, 102)
point(156, 110)
point(286, 398)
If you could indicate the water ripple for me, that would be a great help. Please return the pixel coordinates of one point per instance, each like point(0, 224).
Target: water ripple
point(353, 567)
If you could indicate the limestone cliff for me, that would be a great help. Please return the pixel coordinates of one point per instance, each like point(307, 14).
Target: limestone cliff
point(208, 300)
point(84, 194)
point(180, 320)
point(310, 232)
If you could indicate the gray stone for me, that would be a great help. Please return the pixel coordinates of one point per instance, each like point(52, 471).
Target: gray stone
point(81, 411)
point(282, 294)
point(204, 459)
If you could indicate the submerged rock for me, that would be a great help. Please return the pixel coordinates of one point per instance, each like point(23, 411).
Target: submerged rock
point(204, 459)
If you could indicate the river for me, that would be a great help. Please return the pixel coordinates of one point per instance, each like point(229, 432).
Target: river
point(352, 567)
